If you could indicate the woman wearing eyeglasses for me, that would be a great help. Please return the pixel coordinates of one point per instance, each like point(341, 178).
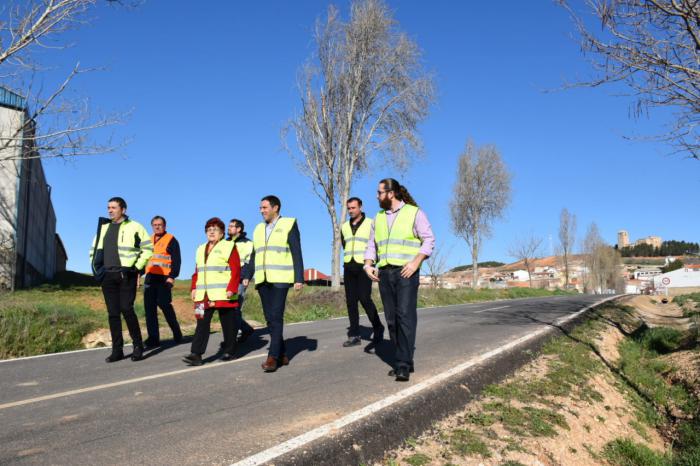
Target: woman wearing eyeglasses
point(215, 288)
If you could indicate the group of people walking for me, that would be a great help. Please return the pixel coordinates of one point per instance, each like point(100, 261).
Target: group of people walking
point(388, 250)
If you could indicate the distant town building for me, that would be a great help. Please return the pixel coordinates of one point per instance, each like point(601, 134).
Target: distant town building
point(623, 239)
point(681, 281)
point(654, 241)
point(28, 239)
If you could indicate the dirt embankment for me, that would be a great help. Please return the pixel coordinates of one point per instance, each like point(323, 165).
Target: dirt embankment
point(569, 405)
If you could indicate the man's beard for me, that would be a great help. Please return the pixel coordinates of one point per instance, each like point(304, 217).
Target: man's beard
point(385, 204)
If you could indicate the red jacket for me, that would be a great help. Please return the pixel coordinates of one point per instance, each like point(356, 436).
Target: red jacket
point(234, 263)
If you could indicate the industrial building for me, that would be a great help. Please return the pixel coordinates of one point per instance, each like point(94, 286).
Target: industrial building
point(30, 250)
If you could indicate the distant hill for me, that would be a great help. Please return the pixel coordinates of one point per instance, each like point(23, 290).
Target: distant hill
point(462, 268)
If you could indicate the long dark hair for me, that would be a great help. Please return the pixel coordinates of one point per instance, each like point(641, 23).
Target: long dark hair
point(399, 190)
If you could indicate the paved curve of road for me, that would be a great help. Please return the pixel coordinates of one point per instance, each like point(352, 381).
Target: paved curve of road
point(72, 408)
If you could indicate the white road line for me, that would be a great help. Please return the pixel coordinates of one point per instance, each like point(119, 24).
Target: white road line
point(490, 309)
point(94, 388)
point(304, 439)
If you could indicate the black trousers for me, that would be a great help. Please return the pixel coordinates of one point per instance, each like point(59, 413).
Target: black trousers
point(119, 290)
point(158, 293)
point(358, 287)
point(273, 301)
point(400, 300)
point(228, 318)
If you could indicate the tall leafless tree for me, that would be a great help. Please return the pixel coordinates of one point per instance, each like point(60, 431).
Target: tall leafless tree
point(653, 46)
point(480, 195)
point(526, 250)
point(54, 125)
point(602, 263)
point(363, 93)
point(567, 240)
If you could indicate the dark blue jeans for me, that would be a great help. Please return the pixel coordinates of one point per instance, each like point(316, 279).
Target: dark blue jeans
point(273, 300)
point(157, 293)
point(400, 300)
point(243, 325)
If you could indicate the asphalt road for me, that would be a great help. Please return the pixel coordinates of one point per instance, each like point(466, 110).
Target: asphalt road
point(73, 408)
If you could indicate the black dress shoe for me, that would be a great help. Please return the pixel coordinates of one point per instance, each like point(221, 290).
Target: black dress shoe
point(228, 357)
point(392, 373)
point(352, 341)
point(114, 357)
point(150, 344)
point(137, 354)
point(244, 336)
point(193, 359)
point(402, 374)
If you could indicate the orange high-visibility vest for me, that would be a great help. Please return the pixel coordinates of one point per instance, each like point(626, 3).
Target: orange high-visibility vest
point(160, 262)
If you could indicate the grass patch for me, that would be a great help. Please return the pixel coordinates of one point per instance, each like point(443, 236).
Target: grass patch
point(418, 459)
point(528, 421)
point(625, 452)
point(44, 328)
point(645, 370)
point(567, 374)
point(466, 442)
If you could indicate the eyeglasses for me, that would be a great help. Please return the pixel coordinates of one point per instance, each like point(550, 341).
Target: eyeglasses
point(213, 229)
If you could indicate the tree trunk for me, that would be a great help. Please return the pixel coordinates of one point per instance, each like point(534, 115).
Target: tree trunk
point(475, 267)
point(335, 262)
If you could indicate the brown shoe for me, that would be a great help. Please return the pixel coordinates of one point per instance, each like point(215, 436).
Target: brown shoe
point(270, 364)
point(283, 361)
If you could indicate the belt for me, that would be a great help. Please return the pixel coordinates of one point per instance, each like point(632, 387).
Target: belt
point(391, 267)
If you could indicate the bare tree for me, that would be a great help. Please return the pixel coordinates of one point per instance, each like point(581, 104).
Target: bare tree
point(567, 240)
point(480, 195)
point(653, 46)
point(602, 261)
point(54, 125)
point(363, 93)
point(437, 265)
point(43, 121)
point(526, 250)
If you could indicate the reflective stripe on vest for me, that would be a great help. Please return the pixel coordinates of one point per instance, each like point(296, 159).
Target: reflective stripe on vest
point(160, 262)
point(133, 244)
point(396, 245)
point(356, 244)
point(214, 274)
point(273, 259)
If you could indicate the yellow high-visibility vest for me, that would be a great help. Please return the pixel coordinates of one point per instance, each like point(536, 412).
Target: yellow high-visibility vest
point(273, 258)
point(133, 243)
point(214, 274)
point(245, 249)
point(356, 244)
point(396, 245)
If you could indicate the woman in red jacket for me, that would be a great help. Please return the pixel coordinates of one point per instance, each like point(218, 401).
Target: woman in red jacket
point(215, 288)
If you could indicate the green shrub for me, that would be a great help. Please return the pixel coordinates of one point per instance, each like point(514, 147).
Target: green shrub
point(661, 340)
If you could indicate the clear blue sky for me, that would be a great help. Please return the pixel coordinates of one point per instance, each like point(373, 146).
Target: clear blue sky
point(212, 83)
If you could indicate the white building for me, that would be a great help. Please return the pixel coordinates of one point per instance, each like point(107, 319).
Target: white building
point(28, 240)
point(678, 281)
